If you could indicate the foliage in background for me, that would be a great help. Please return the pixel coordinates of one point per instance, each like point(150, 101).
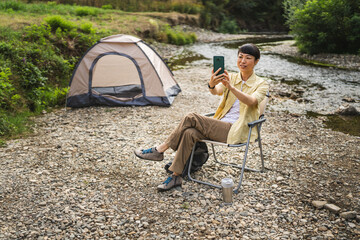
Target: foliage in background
point(36, 62)
point(228, 26)
point(167, 34)
point(258, 15)
point(218, 15)
point(325, 26)
point(214, 11)
point(182, 6)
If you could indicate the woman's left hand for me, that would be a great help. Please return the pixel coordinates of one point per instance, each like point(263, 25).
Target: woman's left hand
point(226, 80)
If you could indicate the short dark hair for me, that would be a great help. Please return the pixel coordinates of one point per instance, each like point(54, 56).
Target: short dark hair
point(250, 49)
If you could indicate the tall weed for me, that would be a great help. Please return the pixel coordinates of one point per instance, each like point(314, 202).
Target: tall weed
point(7, 91)
point(58, 22)
point(178, 37)
point(86, 11)
point(12, 124)
point(47, 97)
point(12, 5)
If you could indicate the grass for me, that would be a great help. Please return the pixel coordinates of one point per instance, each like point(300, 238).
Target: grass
point(20, 126)
point(41, 43)
point(116, 21)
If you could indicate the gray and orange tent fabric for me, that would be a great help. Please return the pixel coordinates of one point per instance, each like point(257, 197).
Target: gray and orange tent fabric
point(121, 70)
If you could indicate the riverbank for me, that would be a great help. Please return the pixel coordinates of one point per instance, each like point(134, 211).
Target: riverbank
point(77, 177)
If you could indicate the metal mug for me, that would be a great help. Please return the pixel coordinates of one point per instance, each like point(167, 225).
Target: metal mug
point(227, 189)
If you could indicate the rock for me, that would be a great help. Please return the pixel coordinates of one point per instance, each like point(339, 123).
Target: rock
point(350, 196)
point(348, 215)
point(284, 94)
point(318, 204)
point(278, 179)
point(332, 208)
point(348, 99)
point(352, 225)
point(347, 110)
point(329, 235)
point(323, 228)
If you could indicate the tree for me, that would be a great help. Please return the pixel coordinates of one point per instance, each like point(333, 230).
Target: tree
point(330, 26)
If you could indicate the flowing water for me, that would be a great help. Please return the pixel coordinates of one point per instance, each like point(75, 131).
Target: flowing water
point(323, 89)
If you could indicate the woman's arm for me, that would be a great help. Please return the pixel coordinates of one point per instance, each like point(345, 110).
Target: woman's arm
point(243, 97)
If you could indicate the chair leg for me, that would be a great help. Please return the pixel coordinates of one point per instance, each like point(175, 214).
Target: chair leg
point(242, 167)
point(261, 152)
point(236, 190)
point(262, 157)
point(232, 165)
point(189, 171)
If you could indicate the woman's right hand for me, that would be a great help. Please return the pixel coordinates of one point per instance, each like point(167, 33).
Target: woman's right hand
point(214, 80)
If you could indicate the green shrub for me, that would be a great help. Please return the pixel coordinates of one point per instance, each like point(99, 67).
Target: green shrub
point(326, 26)
point(36, 63)
point(46, 97)
point(192, 37)
point(31, 76)
point(87, 27)
point(51, 4)
point(184, 7)
point(12, 5)
point(6, 49)
point(5, 126)
point(85, 11)
point(58, 22)
point(228, 26)
point(8, 99)
point(107, 6)
point(13, 124)
point(37, 33)
point(176, 36)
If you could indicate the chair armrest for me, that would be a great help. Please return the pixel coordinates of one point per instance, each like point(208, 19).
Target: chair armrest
point(256, 122)
point(209, 114)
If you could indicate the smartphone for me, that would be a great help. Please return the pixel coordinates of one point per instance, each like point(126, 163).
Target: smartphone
point(219, 62)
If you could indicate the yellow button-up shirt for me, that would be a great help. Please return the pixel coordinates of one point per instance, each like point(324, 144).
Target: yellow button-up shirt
point(254, 86)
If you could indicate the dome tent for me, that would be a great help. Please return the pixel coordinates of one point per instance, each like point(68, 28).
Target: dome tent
point(121, 70)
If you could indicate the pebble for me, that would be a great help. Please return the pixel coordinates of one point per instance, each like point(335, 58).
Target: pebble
point(332, 208)
point(319, 204)
point(348, 215)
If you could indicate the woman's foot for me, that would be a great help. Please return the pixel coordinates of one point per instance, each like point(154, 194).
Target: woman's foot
point(170, 182)
point(149, 154)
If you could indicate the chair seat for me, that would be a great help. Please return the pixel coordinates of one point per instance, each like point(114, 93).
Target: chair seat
point(214, 142)
point(254, 124)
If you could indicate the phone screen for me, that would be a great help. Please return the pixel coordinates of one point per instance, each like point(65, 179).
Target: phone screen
point(219, 62)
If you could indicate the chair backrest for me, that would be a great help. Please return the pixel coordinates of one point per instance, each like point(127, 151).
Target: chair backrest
point(264, 103)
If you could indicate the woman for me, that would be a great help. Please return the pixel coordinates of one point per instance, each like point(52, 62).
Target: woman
point(242, 93)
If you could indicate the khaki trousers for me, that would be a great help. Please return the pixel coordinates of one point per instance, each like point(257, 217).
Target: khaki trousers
point(192, 128)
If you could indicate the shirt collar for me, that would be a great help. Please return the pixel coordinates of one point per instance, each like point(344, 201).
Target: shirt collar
point(250, 82)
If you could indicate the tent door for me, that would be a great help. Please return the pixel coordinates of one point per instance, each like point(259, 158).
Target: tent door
point(116, 76)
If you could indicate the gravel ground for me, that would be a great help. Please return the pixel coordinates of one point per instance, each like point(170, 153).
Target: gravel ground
point(77, 178)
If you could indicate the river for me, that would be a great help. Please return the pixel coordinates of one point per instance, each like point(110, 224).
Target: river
point(322, 88)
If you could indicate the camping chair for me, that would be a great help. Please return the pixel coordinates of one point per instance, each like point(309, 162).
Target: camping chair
point(257, 123)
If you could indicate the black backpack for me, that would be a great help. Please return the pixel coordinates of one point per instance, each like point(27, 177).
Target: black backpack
point(201, 155)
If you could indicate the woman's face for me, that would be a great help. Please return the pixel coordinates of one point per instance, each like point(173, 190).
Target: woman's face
point(246, 62)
